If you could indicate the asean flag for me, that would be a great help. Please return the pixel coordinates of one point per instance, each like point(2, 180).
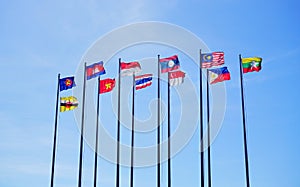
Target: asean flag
point(66, 83)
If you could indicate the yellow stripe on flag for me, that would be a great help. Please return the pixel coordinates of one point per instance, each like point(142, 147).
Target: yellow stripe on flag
point(251, 59)
point(68, 103)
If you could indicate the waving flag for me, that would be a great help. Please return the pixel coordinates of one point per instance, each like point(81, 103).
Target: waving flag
point(95, 70)
point(176, 78)
point(251, 64)
point(107, 85)
point(66, 83)
point(218, 75)
point(130, 68)
point(212, 59)
point(143, 81)
point(68, 103)
point(169, 64)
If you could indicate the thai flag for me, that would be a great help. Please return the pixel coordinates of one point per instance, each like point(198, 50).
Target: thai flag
point(130, 68)
point(169, 64)
point(143, 81)
point(95, 70)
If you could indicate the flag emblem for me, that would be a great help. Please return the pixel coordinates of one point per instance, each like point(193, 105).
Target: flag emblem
point(68, 103)
point(130, 68)
point(143, 81)
point(251, 64)
point(218, 75)
point(95, 70)
point(169, 64)
point(106, 85)
point(66, 83)
point(176, 78)
point(212, 59)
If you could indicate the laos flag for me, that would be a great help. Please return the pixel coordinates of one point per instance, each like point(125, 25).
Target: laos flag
point(169, 64)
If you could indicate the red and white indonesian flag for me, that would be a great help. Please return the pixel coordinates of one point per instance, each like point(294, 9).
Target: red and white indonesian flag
point(130, 68)
point(176, 78)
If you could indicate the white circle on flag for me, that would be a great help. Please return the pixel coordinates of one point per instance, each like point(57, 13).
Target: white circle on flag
point(171, 63)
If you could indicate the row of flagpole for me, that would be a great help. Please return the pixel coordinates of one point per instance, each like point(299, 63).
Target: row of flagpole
point(165, 65)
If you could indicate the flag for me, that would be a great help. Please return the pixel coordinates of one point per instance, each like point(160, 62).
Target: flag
point(106, 85)
point(143, 81)
point(251, 64)
point(130, 68)
point(176, 78)
point(218, 75)
point(66, 83)
point(169, 64)
point(212, 59)
point(68, 103)
point(95, 70)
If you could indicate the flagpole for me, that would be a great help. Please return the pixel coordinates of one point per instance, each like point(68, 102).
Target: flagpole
point(169, 135)
point(201, 125)
point(118, 130)
point(158, 123)
point(208, 132)
point(82, 128)
point(97, 131)
point(132, 132)
point(244, 125)
point(55, 134)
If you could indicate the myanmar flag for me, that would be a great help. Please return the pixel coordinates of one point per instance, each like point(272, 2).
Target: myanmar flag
point(251, 64)
point(106, 85)
point(68, 103)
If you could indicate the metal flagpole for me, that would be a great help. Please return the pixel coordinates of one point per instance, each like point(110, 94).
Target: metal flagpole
point(208, 131)
point(169, 135)
point(82, 128)
point(55, 134)
point(132, 133)
point(158, 123)
point(97, 129)
point(244, 125)
point(118, 130)
point(201, 126)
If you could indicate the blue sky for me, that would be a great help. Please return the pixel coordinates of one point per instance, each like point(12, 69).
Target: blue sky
point(41, 39)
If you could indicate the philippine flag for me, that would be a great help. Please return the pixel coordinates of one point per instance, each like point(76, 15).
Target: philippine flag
point(143, 81)
point(218, 75)
point(169, 64)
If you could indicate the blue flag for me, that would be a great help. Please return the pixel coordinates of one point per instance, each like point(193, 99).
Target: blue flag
point(66, 83)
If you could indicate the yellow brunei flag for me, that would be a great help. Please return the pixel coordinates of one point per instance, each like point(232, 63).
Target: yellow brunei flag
point(68, 103)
